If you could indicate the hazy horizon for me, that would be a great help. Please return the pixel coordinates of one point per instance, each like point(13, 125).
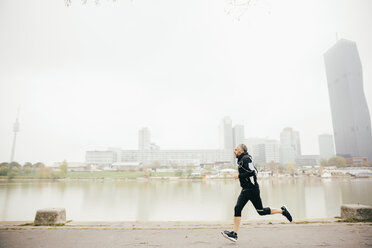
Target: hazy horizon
point(88, 77)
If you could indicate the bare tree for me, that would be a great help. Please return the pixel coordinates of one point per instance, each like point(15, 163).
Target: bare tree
point(69, 2)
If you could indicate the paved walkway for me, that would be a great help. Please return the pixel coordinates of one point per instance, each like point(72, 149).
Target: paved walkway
point(184, 234)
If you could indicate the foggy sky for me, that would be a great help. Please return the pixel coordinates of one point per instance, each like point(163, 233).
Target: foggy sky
point(89, 76)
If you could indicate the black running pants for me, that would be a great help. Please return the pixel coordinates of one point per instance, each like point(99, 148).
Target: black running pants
point(254, 196)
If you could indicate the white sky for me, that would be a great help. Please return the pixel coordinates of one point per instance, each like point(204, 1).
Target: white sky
point(88, 77)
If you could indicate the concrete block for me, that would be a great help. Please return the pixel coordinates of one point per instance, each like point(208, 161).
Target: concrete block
point(356, 212)
point(50, 216)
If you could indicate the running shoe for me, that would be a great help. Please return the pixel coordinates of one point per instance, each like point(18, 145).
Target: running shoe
point(286, 213)
point(233, 236)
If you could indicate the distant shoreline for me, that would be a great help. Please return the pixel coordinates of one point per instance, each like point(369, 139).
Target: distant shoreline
point(172, 179)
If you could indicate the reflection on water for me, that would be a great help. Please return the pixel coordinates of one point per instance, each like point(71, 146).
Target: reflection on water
point(209, 200)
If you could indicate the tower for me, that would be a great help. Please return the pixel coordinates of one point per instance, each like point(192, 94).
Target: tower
point(350, 115)
point(15, 130)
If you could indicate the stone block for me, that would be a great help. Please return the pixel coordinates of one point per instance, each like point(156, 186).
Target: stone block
point(50, 216)
point(356, 212)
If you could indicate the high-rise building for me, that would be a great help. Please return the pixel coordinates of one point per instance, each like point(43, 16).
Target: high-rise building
point(289, 137)
point(226, 134)
point(252, 141)
point(266, 152)
point(326, 146)
point(163, 157)
point(287, 154)
point(290, 145)
point(238, 135)
point(144, 139)
point(350, 114)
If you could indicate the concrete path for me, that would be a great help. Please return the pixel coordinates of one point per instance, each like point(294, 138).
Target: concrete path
point(176, 235)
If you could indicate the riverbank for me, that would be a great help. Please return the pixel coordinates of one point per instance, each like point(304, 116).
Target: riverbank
point(180, 175)
point(310, 233)
point(159, 178)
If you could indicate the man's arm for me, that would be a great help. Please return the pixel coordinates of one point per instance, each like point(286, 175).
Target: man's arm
point(248, 172)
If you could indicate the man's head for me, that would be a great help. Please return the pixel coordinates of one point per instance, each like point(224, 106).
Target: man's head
point(240, 149)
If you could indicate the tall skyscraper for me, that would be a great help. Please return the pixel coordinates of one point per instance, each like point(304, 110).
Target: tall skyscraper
point(144, 139)
point(326, 146)
point(238, 135)
point(266, 151)
point(287, 154)
point(291, 138)
point(290, 145)
point(226, 134)
point(350, 114)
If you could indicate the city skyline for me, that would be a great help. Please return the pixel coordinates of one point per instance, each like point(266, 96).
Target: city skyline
point(264, 151)
point(236, 131)
point(92, 75)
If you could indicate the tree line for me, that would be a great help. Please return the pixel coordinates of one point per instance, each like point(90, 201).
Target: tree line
point(14, 169)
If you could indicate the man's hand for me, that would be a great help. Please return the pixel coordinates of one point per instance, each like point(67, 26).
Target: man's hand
point(236, 176)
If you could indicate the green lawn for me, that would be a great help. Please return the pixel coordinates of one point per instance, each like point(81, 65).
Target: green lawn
point(24, 175)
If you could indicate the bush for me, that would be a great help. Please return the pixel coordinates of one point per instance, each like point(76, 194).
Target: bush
point(63, 169)
point(15, 165)
point(337, 161)
point(11, 174)
point(38, 166)
point(27, 170)
point(4, 170)
point(179, 173)
point(46, 173)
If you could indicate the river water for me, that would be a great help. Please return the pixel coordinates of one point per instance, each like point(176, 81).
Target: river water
point(206, 200)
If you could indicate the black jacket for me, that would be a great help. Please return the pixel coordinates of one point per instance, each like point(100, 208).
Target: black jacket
point(247, 176)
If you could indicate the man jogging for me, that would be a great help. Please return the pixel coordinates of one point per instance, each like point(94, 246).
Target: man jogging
point(250, 191)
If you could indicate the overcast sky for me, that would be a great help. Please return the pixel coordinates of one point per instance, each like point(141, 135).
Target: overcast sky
point(89, 76)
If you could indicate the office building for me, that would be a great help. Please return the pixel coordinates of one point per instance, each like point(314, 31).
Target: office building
point(290, 145)
point(326, 146)
point(144, 139)
point(226, 134)
point(238, 135)
point(350, 114)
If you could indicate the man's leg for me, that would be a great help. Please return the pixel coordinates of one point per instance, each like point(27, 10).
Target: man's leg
point(236, 223)
point(242, 200)
point(257, 203)
point(240, 203)
point(276, 211)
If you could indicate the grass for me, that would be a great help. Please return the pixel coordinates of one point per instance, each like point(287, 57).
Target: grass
point(302, 222)
point(23, 175)
point(27, 224)
point(352, 220)
point(32, 224)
